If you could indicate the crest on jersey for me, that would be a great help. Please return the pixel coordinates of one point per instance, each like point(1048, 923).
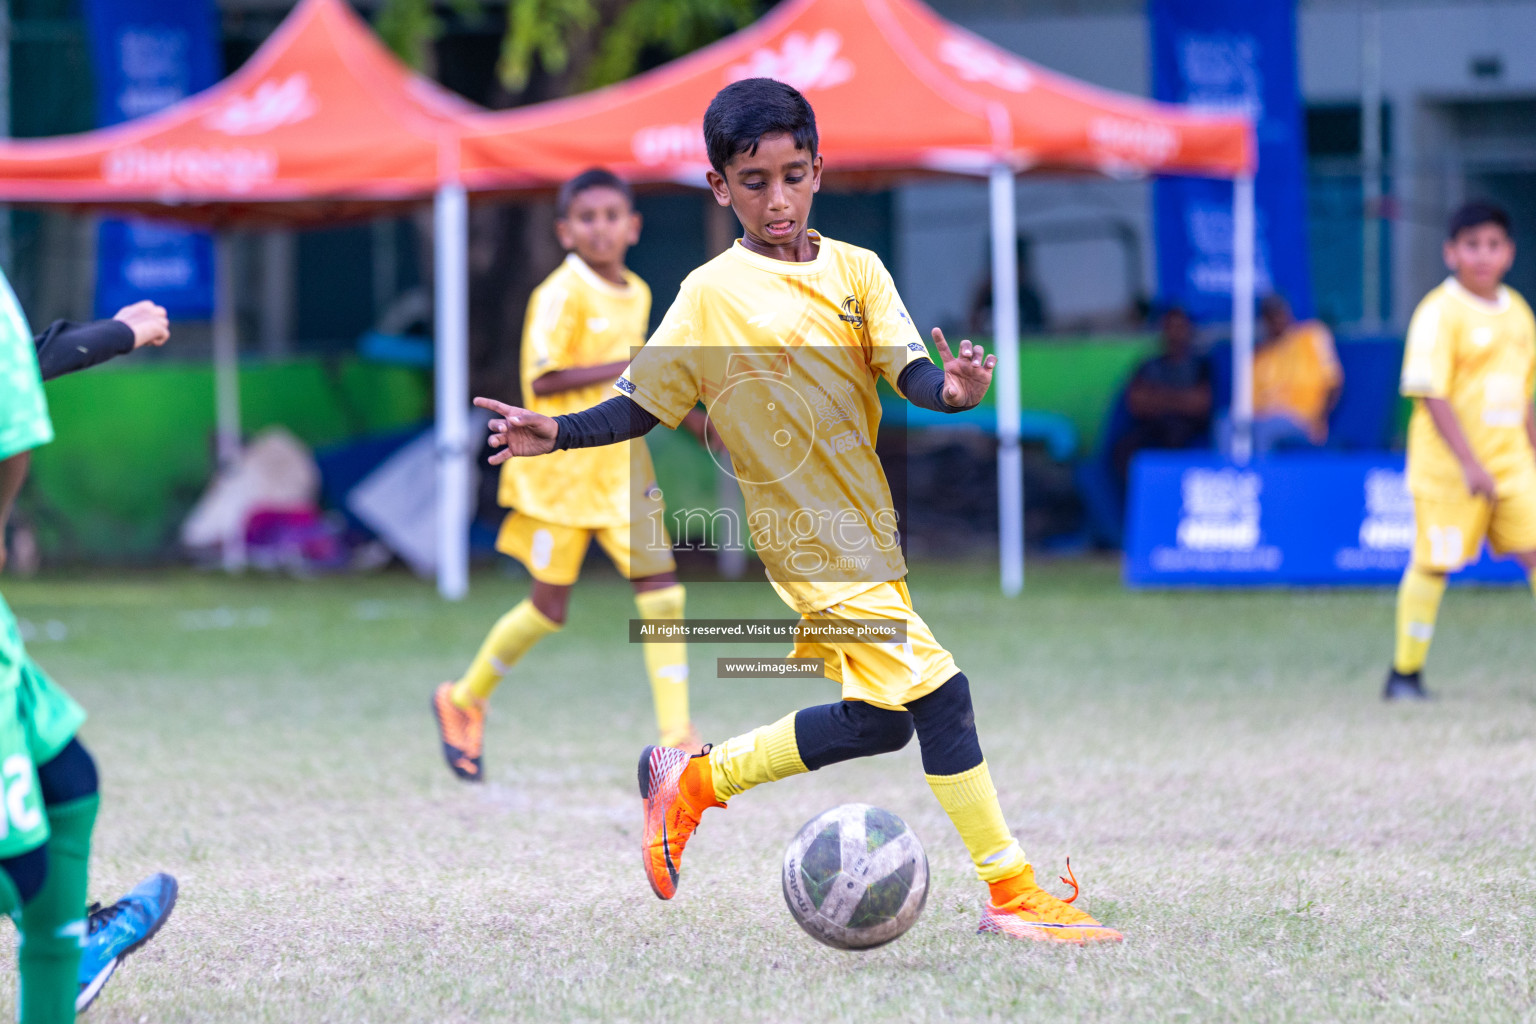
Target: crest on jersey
point(853, 312)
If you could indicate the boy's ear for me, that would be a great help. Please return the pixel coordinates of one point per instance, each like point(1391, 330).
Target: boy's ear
point(718, 186)
point(635, 223)
point(816, 173)
point(563, 234)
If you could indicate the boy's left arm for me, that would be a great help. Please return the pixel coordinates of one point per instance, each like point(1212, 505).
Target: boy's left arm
point(66, 347)
point(698, 423)
point(13, 473)
point(555, 381)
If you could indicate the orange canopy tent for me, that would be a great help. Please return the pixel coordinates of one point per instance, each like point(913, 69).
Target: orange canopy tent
point(896, 89)
point(321, 123)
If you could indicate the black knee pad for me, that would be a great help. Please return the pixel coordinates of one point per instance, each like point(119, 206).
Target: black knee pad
point(946, 728)
point(27, 872)
point(850, 728)
point(69, 775)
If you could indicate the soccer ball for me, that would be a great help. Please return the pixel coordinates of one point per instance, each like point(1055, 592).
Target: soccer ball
point(855, 877)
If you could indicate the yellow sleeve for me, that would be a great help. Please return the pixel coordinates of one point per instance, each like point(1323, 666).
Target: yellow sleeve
point(1530, 376)
point(550, 330)
point(1429, 355)
point(893, 338)
point(1327, 355)
point(663, 377)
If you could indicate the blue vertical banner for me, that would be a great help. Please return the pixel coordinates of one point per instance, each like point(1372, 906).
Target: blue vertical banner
point(147, 56)
point(1233, 57)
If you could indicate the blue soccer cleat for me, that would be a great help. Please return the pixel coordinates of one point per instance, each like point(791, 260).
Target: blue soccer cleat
point(114, 932)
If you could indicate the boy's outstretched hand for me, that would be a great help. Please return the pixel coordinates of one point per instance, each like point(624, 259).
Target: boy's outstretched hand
point(966, 376)
point(148, 322)
point(518, 432)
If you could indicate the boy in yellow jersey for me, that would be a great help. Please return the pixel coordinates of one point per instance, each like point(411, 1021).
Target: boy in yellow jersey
point(784, 337)
point(583, 323)
point(1470, 367)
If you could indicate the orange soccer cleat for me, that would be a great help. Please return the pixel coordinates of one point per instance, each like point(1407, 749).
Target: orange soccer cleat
point(1023, 910)
point(676, 788)
point(461, 730)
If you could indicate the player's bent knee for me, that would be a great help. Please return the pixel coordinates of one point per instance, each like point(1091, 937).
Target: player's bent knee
point(27, 873)
point(880, 730)
point(69, 775)
point(946, 728)
point(850, 728)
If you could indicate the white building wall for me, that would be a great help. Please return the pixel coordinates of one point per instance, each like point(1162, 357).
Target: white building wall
point(942, 252)
point(1428, 52)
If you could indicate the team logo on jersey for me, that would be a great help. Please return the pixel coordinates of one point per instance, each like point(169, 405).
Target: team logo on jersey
point(853, 312)
point(914, 346)
point(625, 385)
point(834, 404)
point(837, 404)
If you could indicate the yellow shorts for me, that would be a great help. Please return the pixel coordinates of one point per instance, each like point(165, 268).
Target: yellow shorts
point(1450, 530)
point(553, 553)
point(886, 675)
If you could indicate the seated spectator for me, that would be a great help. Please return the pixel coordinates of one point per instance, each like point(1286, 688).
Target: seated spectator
point(1032, 315)
point(1296, 382)
point(1168, 400)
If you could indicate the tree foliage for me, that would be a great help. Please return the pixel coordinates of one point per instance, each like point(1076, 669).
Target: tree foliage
point(607, 38)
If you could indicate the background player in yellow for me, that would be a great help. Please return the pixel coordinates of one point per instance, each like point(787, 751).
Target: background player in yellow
point(1470, 367)
point(783, 337)
point(583, 324)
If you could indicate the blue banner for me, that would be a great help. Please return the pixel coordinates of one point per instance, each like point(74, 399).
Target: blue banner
point(1236, 57)
point(1294, 518)
point(146, 57)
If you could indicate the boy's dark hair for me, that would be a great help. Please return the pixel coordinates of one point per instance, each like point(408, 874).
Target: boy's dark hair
point(743, 112)
point(595, 177)
point(1476, 214)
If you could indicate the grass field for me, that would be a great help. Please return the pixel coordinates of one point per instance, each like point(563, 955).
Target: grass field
point(1274, 842)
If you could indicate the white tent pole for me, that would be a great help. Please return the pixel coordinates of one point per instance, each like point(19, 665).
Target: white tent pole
point(226, 379)
point(1243, 273)
point(1370, 164)
point(450, 243)
point(1005, 338)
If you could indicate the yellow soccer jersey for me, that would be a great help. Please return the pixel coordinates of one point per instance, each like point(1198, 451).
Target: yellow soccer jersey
point(1481, 358)
point(785, 357)
point(576, 318)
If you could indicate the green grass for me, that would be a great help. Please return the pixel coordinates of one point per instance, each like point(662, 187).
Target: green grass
point(1275, 843)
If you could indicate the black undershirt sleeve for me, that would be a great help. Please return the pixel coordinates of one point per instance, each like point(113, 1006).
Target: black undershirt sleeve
point(923, 384)
point(66, 346)
point(620, 418)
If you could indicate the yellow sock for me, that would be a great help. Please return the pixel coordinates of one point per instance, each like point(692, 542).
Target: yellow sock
point(766, 754)
point(667, 664)
point(1418, 603)
point(513, 636)
point(971, 803)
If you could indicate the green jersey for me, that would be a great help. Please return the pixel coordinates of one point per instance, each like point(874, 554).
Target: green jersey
point(24, 422)
point(37, 718)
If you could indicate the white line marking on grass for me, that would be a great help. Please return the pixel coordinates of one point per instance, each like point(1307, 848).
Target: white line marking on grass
point(224, 618)
point(31, 632)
